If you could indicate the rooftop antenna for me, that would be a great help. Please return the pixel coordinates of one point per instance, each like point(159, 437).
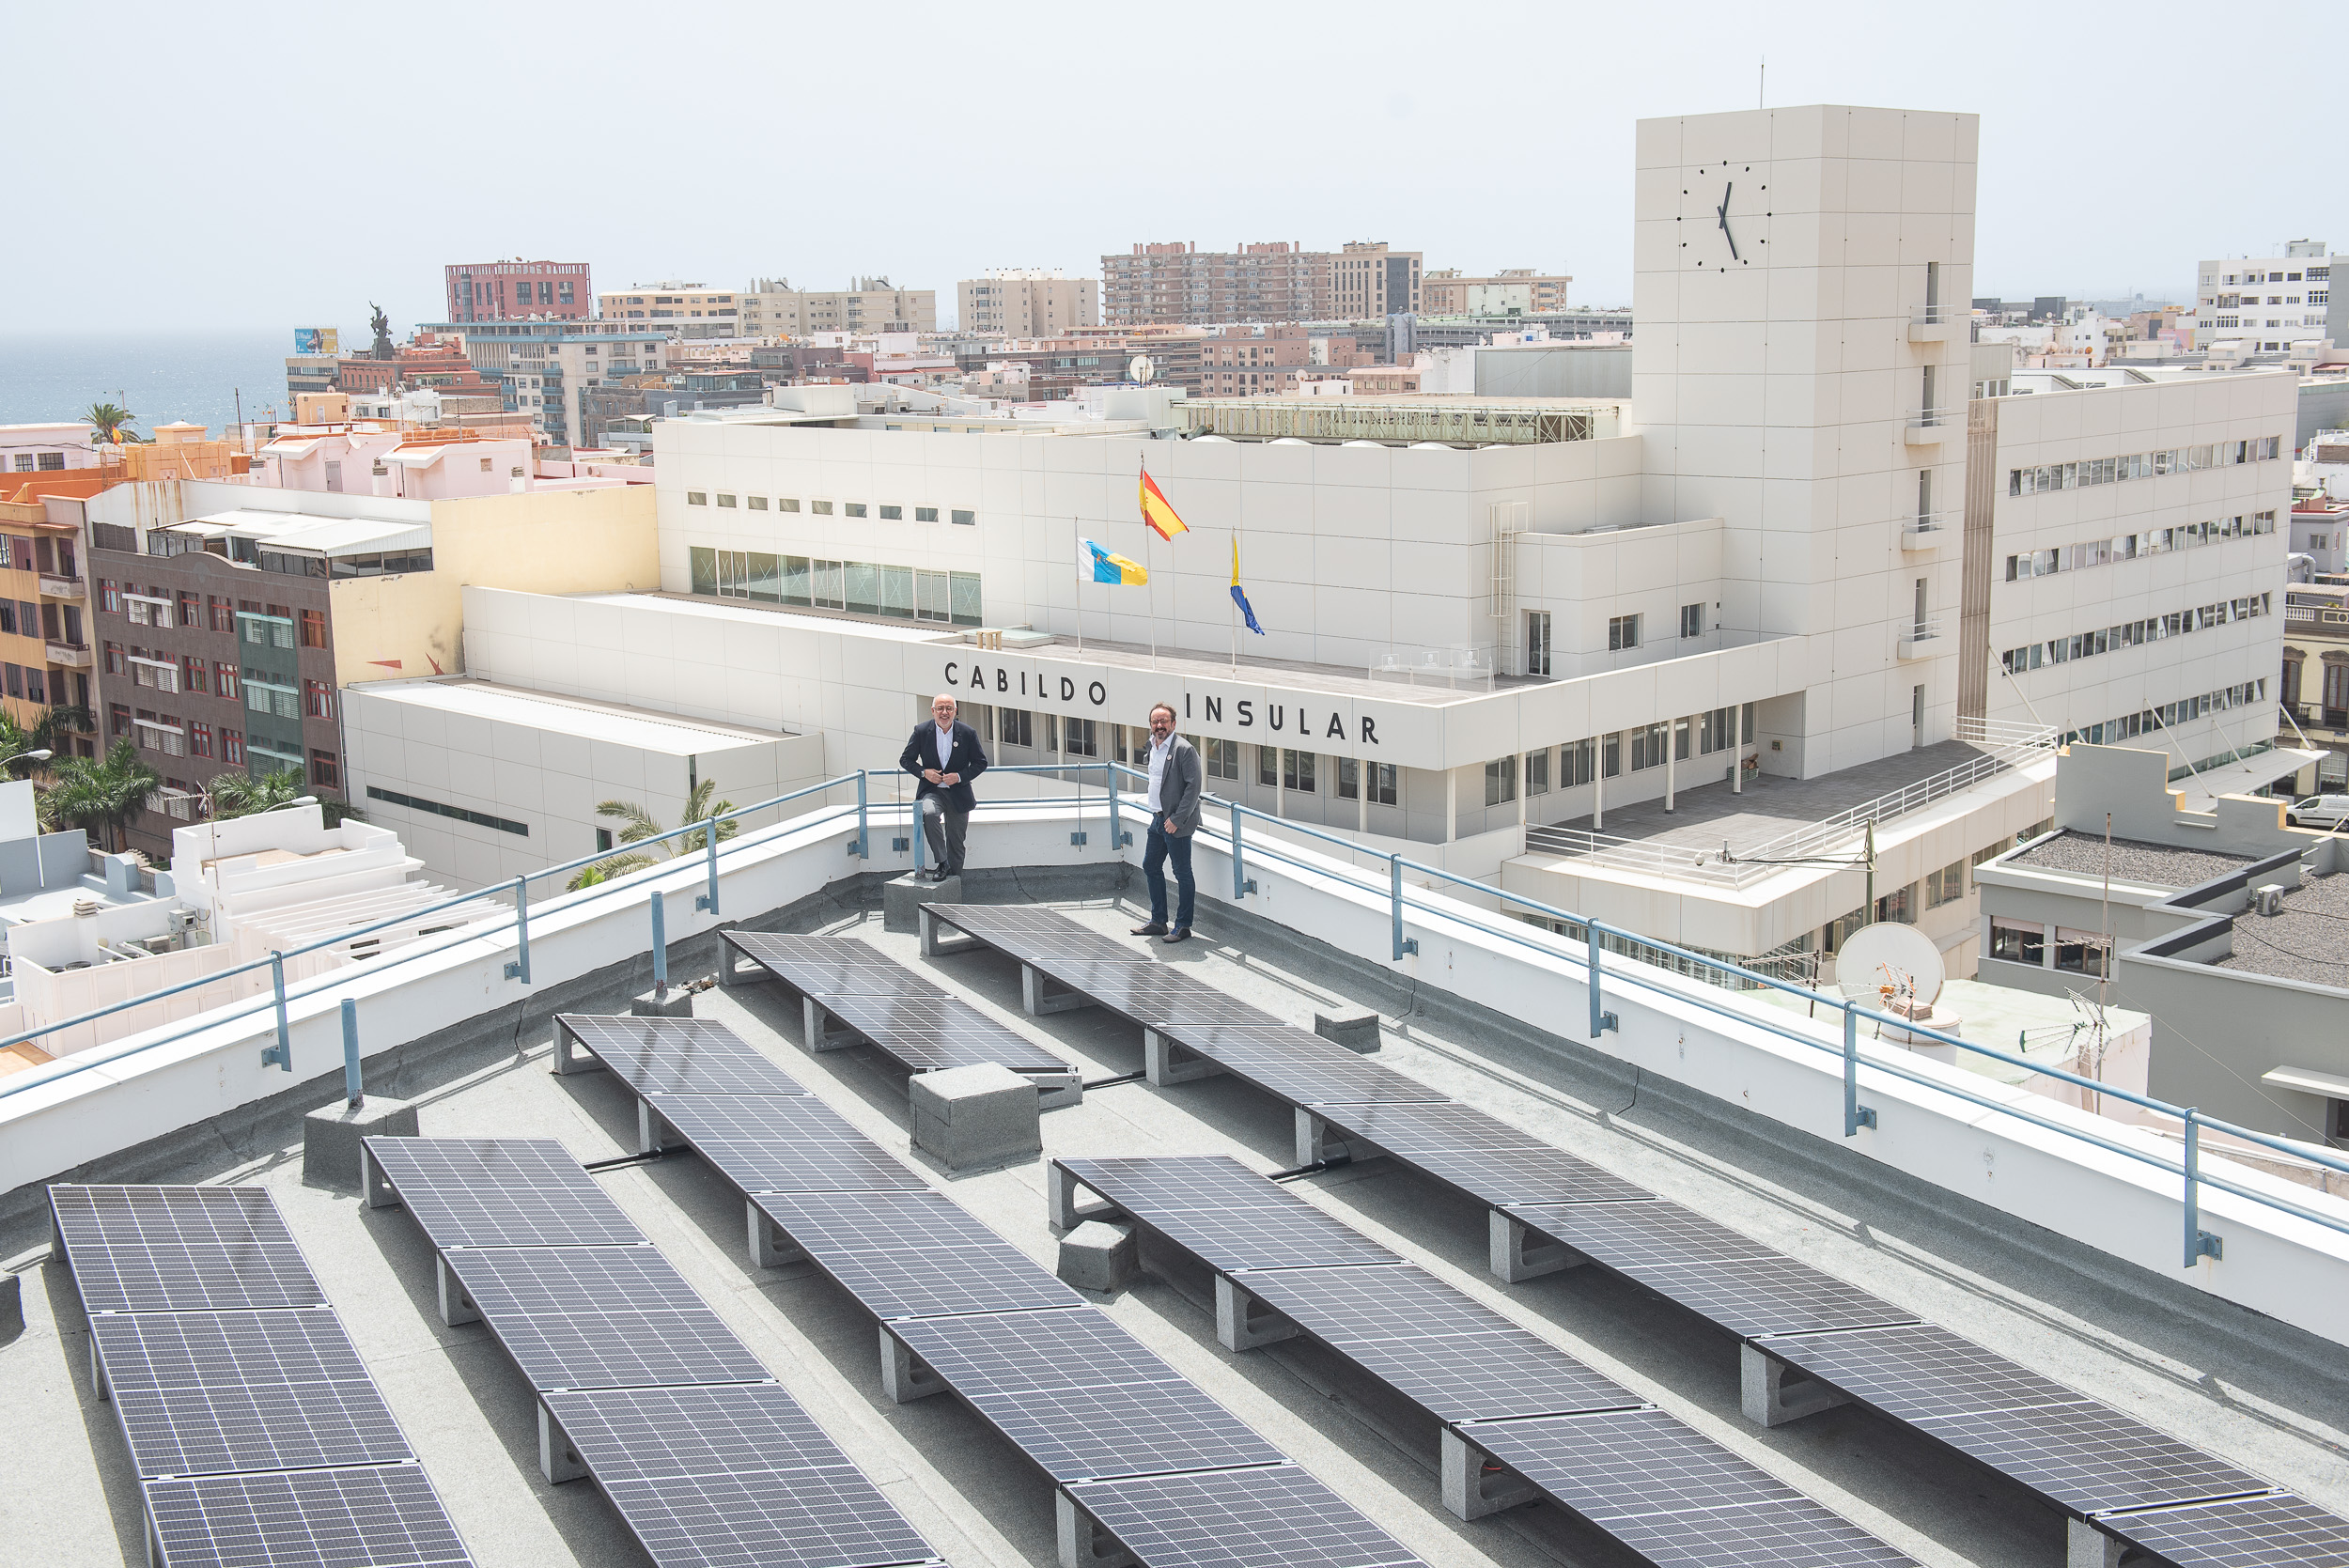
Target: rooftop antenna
point(1762, 82)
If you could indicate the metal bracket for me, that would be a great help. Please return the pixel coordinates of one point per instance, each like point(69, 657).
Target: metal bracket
point(1864, 1116)
point(1078, 837)
point(514, 971)
point(1410, 945)
point(279, 1055)
point(1125, 841)
point(1249, 886)
point(2206, 1243)
point(901, 844)
point(1608, 1021)
point(702, 901)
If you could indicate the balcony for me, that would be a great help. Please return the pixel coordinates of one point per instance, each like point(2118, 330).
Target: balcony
point(1937, 323)
point(1927, 530)
point(60, 587)
point(1920, 638)
point(72, 655)
point(1932, 426)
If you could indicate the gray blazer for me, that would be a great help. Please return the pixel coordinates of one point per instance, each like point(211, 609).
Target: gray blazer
point(1180, 786)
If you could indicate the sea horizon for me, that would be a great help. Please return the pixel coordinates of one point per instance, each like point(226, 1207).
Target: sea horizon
point(197, 377)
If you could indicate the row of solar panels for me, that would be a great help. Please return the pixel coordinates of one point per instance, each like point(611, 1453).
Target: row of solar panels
point(1135, 1449)
point(2108, 1471)
point(257, 1434)
point(640, 1385)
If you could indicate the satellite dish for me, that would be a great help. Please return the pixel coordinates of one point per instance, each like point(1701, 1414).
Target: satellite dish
point(1890, 954)
point(1140, 368)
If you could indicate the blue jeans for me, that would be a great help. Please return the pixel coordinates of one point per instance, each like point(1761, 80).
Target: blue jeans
point(1163, 845)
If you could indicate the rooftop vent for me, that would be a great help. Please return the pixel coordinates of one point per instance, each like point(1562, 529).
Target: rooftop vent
point(2269, 900)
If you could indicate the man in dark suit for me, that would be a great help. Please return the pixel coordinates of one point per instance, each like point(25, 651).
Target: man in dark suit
point(945, 755)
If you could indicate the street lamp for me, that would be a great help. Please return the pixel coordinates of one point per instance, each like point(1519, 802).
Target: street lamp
point(42, 756)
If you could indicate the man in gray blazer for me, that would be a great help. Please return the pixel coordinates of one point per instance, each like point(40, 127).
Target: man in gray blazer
point(1175, 785)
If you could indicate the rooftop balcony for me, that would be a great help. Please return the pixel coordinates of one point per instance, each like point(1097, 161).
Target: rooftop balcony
point(1920, 637)
point(1932, 426)
point(1937, 323)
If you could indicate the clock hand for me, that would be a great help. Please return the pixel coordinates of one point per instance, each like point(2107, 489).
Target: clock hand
point(1722, 213)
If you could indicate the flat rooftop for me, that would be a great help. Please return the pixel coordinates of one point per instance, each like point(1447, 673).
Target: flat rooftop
point(641, 728)
point(2309, 940)
point(2256, 1393)
point(2130, 860)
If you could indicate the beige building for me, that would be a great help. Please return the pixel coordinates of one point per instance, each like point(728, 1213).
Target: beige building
point(1012, 301)
point(685, 309)
point(772, 307)
point(1277, 281)
point(1511, 291)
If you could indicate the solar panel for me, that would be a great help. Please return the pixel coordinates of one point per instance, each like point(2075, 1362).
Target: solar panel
point(926, 1029)
point(380, 1517)
point(785, 1143)
point(677, 1056)
point(1746, 1286)
point(200, 1392)
point(585, 1317)
point(1483, 1157)
point(1434, 1344)
point(2278, 1531)
point(2067, 1447)
point(822, 966)
point(1674, 1496)
point(1272, 1517)
point(1299, 1065)
point(1224, 1214)
point(732, 1475)
point(501, 1193)
point(1152, 994)
point(1080, 1396)
point(1029, 932)
point(189, 1248)
point(913, 1254)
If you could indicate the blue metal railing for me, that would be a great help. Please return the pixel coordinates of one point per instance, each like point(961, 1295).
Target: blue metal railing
point(1390, 886)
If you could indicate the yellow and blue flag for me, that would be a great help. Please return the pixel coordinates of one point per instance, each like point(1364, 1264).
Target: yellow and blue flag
point(1247, 613)
point(1158, 512)
point(1096, 564)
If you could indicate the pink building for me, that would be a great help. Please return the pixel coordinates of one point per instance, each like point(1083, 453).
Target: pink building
point(509, 290)
point(389, 461)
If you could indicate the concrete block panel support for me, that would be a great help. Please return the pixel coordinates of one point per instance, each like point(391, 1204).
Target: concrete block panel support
point(1098, 1256)
point(973, 1116)
point(1318, 1145)
point(1473, 1484)
point(905, 1376)
point(1244, 1323)
point(1355, 1028)
point(457, 1308)
point(557, 1460)
point(903, 897)
point(1084, 1544)
point(12, 1305)
point(1063, 1209)
point(815, 1025)
point(661, 1001)
point(1774, 1393)
point(1038, 996)
point(770, 1248)
point(332, 1139)
point(1164, 1062)
point(1519, 1252)
point(2086, 1547)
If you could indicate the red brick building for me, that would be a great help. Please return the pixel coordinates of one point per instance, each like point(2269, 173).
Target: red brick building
point(510, 290)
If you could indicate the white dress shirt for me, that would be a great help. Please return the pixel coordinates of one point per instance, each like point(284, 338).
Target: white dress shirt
point(945, 745)
point(1158, 750)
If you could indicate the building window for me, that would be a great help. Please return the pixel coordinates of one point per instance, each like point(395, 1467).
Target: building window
point(1269, 767)
point(317, 699)
point(1692, 620)
point(787, 503)
point(191, 607)
point(199, 740)
point(1623, 632)
point(1500, 781)
point(2019, 942)
point(821, 508)
point(114, 665)
point(225, 682)
point(194, 674)
point(314, 628)
point(854, 509)
point(117, 719)
point(1899, 905)
point(1537, 642)
point(324, 772)
point(110, 595)
point(892, 514)
point(724, 500)
point(1297, 770)
point(232, 747)
point(1084, 738)
point(1647, 747)
point(697, 498)
point(963, 520)
point(37, 686)
point(1221, 758)
point(925, 514)
point(224, 614)
point(1016, 726)
point(1945, 885)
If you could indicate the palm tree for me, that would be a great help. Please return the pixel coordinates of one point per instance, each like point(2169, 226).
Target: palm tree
point(49, 733)
point(640, 825)
point(233, 795)
point(104, 795)
point(109, 419)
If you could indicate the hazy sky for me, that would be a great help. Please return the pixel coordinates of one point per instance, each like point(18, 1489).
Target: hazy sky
point(268, 164)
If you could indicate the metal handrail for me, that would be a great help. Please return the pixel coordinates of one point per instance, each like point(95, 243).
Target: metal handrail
point(1388, 886)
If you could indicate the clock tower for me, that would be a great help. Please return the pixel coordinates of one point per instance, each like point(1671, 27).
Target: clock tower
point(1800, 370)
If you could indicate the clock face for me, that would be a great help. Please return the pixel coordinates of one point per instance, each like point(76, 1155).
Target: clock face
point(1724, 220)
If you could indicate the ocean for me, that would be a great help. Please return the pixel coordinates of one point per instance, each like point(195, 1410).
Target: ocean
point(160, 377)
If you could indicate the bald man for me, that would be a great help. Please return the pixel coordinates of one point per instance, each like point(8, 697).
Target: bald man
point(945, 755)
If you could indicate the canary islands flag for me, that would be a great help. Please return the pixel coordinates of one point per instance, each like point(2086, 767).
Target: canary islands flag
point(1246, 614)
point(1096, 564)
point(1157, 513)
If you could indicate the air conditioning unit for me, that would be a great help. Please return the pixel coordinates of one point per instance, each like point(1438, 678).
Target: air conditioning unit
point(2269, 900)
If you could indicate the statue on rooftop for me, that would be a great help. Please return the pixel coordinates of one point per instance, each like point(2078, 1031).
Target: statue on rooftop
point(382, 325)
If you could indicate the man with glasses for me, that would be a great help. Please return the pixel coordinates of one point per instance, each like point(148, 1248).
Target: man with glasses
point(945, 755)
point(1175, 784)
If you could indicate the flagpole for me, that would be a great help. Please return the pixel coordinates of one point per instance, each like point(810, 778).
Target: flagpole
point(1233, 608)
point(1080, 597)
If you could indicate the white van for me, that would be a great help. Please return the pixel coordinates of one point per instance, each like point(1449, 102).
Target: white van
point(2318, 810)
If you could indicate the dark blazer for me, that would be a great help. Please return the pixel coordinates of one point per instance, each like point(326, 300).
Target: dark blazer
point(1179, 784)
point(968, 758)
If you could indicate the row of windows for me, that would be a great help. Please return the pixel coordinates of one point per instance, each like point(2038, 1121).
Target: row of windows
point(2141, 465)
point(1706, 732)
point(890, 511)
point(167, 735)
point(2153, 721)
point(2128, 547)
point(479, 819)
point(29, 682)
point(20, 554)
point(2086, 645)
point(860, 586)
point(264, 625)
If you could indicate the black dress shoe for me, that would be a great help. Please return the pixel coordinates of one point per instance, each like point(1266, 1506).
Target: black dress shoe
point(1153, 929)
point(1181, 934)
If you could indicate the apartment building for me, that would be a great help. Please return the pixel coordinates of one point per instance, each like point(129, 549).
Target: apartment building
point(772, 307)
point(44, 639)
point(1012, 301)
point(543, 367)
point(1277, 281)
point(515, 289)
point(1266, 363)
point(50, 448)
point(1518, 292)
point(2268, 304)
point(684, 309)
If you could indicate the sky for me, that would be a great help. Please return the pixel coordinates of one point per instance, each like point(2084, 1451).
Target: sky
point(267, 166)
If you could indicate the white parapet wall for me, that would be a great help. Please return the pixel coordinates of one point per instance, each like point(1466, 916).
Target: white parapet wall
point(1752, 1058)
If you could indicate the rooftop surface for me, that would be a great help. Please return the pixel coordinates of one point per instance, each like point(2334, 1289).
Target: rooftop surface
point(2256, 1394)
point(2130, 860)
point(611, 721)
point(2308, 942)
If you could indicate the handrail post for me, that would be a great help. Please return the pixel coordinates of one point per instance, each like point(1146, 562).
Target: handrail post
point(1394, 897)
point(1109, 781)
point(1241, 886)
point(354, 1094)
point(1601, 1020)
point(2199, 1243)
point(862, 847)
point(520, 967)
point(659, 941)
point(282, 1052)
point(1855, 1114)
point(709, 900)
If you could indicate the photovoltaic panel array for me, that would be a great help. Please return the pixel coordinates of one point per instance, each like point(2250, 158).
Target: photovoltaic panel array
point(1220, 1210)
point(913, 1022)
point(1270, 1516)
point(2277, 1531)
point(1062, 1380)
point(1756, 1293)
point(704, 1458)
point(258, 1435)
point(677, 1056)
point(1585, 1442)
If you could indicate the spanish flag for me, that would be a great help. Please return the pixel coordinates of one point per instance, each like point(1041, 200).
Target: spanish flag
point(1157, 513)
point(1096, 564)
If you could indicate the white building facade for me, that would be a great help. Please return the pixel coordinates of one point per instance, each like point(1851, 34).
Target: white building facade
point(2269, 303)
